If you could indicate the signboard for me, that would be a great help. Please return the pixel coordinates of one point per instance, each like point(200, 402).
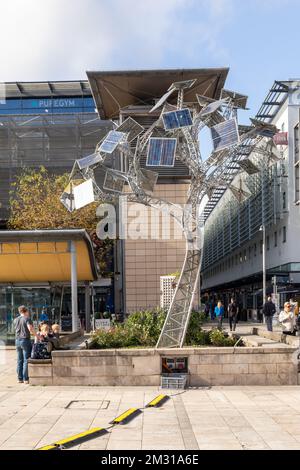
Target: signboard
point(102, 324)
point(281, 138)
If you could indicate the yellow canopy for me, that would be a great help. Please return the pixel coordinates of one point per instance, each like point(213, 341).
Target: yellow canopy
point(27, 258)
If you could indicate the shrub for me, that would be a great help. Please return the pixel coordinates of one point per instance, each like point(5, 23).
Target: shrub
point(143, 329)
point(140, 329)
point(195, 335)
point(218, 338)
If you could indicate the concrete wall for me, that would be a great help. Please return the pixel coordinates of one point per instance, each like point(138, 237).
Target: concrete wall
point(207, 366)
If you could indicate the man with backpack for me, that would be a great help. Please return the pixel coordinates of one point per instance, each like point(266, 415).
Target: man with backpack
point(269, 311)
point(232, 314)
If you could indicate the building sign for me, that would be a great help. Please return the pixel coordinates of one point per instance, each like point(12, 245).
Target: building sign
point(102, 324)
point(281, 138)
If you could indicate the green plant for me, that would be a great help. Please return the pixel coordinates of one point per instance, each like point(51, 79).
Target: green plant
point(194, 333)
point(141, 329)
point(218, 338)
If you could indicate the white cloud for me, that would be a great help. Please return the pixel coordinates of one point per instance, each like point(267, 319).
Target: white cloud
point(61, 39)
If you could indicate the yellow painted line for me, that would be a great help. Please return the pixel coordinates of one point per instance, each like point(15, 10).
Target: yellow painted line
point(158, 401)
point(129, 414)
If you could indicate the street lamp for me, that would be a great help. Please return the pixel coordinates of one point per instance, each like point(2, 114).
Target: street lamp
point(263, 230)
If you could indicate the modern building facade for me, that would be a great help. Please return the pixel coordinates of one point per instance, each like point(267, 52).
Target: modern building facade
point(47, 124)
point(233, 250)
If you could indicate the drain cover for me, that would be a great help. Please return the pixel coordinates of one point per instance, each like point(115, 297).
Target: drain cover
point(88, 404)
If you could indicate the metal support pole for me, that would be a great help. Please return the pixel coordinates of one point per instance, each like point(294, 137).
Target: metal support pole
point(87, 307)
point(74, 286)
point(263, 229)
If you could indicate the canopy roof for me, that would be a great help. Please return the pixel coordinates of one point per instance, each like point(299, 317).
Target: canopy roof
point(116, 90)
point(28, 256)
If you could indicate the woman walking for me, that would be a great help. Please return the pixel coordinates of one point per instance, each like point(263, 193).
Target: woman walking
point(219, 313)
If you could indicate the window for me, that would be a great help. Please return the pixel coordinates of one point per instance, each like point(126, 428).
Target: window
point(241, 257)
point(261, 247)
point(255, 249)
point(284, 199)
point(249, 252)
point(284, 235)
point(296, 164)
point(245, 255)
point(268, 242)
point(275, 239)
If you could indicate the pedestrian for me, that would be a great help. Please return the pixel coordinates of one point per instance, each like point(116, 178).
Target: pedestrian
point(269, 311)
point(219, 313)
point(287, 319)
point(23, 328)
point(212, 309)
point(44, 315)
point(206, 309)
point(232, 314)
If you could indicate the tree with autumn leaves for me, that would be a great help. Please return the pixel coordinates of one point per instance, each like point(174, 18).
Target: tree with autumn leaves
point(35, 205)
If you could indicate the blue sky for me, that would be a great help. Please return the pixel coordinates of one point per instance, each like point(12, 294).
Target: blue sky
point(61, 39)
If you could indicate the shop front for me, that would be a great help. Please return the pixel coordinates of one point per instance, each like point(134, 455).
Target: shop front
point(52, 273)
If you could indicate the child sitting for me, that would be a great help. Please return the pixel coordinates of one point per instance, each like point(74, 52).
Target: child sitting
point(43, 346)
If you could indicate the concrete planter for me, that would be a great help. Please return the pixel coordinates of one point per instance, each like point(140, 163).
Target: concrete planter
point(142, 367)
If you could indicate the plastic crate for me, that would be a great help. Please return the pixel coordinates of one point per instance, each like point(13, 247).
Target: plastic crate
point(174, 381)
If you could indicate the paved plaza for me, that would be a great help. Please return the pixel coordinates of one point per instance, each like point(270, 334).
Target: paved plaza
point(196, 419)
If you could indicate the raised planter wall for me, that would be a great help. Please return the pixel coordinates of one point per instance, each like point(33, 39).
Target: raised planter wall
point(142, 367)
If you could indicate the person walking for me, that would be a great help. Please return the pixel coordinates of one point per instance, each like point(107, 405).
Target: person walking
point(23, 328)
point(232, 314)
point(287, 319)
point(269, 311)
point(219, 313)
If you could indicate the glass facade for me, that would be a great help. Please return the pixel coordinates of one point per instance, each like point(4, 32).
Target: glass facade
point(55, 301)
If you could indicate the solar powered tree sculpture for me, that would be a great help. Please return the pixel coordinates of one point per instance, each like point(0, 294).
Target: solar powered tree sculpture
point(175, 135)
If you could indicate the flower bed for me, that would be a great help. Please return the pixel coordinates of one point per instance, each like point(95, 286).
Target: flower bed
point(142, 329)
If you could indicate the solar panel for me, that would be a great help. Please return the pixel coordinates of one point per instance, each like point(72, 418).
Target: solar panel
point(177, 119)
point(131, 127)
point(161, 101)
point(111, 141)
point(66, 201)
point(67, 198)
point(113, 182)
point(161, 152)
point(225, 134)
point(84, 194)
point(241, 193)
point(237, 99)
point(212, 107)
point(89, 160)
point(183, 84)
point(204, 100)
point(148, 180)
point(248, 166)
point(263, 129)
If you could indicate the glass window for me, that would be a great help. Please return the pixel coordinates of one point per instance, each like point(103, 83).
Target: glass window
point(284, 199)
point(284, 235)
point(268, 242)
point(275, 239)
